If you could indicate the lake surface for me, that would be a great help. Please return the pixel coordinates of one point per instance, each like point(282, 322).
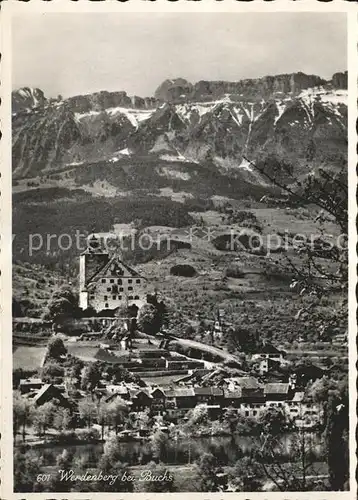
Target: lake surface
point(182, 451)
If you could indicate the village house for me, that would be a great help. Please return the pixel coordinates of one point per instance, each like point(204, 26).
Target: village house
point(232, 398)
point(50, 392)
point(107, 283)
point(277, 391)
point(30, 384)
point(269, 351)
point(141, 400)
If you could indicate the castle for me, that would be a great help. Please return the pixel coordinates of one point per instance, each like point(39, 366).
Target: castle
point(107, 282)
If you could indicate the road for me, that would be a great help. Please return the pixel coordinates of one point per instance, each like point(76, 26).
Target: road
point(215, 351)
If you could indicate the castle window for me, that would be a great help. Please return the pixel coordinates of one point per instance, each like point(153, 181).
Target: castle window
point(103, 280)
point(136, 297)
point(130, 288)
point(129, 281)
point(121, 289)
point(111, 281)
point(91, 296)
point(114, 297)
point(106, 304)
point(119, 297)
point(119, 282)
point(108, 289)
point(137, 281)
point(130, 297)
point(105, 297)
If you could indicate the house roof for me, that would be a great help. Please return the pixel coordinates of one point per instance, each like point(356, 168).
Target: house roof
point(106, 271)
point(156, 389)
point(276, 388)
point(268, 348)
point(245, 382)
point(298, 396)
point(137, 392)
point(42, 391)
point(30, 381)
point(202, 391)
point(233, 394)
point(180, 392)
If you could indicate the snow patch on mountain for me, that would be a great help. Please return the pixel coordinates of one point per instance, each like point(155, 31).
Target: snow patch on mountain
point(135, 116)
point(171, 173)
point(281, 106)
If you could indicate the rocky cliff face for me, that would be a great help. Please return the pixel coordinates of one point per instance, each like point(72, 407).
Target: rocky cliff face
point(266, 87)
point(340, 80)
point(299, 118)
point(27, 98)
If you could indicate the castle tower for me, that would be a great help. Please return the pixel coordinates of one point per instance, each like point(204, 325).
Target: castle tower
point(92, 260)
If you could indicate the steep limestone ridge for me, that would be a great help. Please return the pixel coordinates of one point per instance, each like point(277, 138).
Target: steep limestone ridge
point(100, 101)
point(340, 80)
point(296, 122)
point(266, 87)
point(27, 98)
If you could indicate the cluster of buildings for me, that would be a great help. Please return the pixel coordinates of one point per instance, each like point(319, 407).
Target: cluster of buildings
point(250, 398)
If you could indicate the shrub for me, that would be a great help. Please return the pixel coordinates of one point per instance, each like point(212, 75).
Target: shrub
point(184, 270)
point(234, 271)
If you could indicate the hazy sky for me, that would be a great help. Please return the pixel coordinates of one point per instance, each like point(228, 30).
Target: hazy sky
point(72, 54)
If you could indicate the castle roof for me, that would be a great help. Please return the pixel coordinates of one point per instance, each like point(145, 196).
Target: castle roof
point(115, 267)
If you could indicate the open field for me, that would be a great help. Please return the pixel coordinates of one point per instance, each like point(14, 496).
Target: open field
point(28, 358)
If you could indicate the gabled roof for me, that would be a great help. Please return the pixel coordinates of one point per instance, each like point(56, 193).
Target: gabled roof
point(276, 388)
point(202, 391)
point(245, 382)
point(42, 391)
point(105, 271)
point(180, 392)
point(156, 389)
point(137, 392)
point(268, 348)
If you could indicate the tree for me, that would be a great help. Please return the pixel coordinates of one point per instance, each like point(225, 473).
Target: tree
point(299, 473)
point(63, 303)
point(43, 417)
point(64, 460)
point(51, 372)
point(273, 422)
point(159, 479)
point(115, 468)
point(26, 470)
point(207, 470)
point(117, 412)
point(56, 348)
point(336, 434)
point(91, 376)
point(87, 410)
point(22, 412)
point(148, 319)
point(323, 265)
point(246, 475)
point(159, 443)
point(231, 418)
point(198, 415)
point(62, 419)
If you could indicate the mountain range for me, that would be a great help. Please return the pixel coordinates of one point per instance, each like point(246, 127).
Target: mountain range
point(186, 134)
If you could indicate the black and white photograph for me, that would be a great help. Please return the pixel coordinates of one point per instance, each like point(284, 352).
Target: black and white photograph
point(180, 252)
